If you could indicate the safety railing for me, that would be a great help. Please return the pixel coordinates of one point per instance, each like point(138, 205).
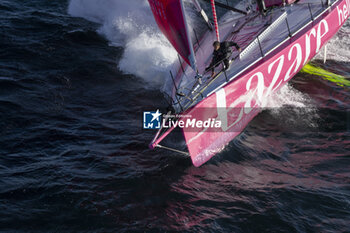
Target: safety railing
point(184, 101)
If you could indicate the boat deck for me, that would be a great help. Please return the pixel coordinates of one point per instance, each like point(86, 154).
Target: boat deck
point(257, 35)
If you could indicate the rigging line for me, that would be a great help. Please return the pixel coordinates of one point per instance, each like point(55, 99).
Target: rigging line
point(228, 7)
point(160, 130)
point(172, 149)
point(215, 20)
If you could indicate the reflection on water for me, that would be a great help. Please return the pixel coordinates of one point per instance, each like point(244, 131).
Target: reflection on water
point(73, 155)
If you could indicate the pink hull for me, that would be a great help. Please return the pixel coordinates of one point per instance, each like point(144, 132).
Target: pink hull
point(239, 101)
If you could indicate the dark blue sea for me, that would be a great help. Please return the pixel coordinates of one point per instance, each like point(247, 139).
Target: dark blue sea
point(75, 78)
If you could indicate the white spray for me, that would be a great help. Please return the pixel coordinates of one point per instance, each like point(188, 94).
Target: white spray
point(149, 55)
point(130, 24)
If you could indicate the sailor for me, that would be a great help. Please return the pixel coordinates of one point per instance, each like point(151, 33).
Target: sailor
point(222, 53)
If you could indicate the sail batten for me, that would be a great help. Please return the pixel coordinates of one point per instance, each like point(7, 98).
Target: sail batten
point(171, 20)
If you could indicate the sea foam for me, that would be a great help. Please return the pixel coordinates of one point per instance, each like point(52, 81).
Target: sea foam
point(130, 24)
point(148, 54)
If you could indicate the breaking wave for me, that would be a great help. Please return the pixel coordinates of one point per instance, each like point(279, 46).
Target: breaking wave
point(130, 24)
point(147, 53)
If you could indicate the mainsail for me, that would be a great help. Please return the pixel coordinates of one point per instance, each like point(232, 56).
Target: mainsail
point(171, 19)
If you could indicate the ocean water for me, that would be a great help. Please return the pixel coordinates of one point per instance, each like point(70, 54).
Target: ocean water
point(75, 78)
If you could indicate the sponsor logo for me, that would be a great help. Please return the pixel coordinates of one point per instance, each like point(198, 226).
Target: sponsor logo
point(152, 120)
point(264, 82)
point(192, 123)
point(155, 120)
point(343, 12)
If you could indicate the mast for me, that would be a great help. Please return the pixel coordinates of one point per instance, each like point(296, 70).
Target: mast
point(215, 20)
